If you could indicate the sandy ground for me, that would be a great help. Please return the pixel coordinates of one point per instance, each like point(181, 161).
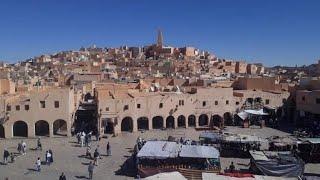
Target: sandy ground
point(67, 154)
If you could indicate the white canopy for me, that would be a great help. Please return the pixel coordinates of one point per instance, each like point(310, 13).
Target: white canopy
point(243, 115)
point(164, 176)
point(256, 112)
point(210, 176)
point(159, 150)
point(199, 152)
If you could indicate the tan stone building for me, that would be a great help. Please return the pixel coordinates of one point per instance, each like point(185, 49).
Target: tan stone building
point(123, 108)
point(42, 112)
point(308, 101)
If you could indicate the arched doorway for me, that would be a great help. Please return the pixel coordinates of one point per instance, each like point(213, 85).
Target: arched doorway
point(127, 124)
point(20, 128)
point(216, 120)
point(2, 134)
point(108, 126)
point(143, 123)
point(181, 121)
point(157, 122)
point(170, 122)
point(228, 120)
point(60, 127)
point(203, 120)
point(192, 120)
point(42, 128)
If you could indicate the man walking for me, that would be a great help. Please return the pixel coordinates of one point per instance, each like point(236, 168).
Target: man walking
point(96, 155)
point(51, 158)
point(108, 149)
point(39, 145)
point(24, 147)
point(38, 164)
point(90, 169)
point(82, 138)
point(19, 147)
point(48, 158)
point(6, 154)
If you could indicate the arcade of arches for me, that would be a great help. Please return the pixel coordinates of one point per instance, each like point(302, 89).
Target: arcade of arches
point(41, 128)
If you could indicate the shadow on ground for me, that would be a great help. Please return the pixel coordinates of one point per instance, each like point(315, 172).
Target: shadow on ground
point(128, 168)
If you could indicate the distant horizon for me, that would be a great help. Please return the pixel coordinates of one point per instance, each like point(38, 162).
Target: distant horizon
point(268, 32)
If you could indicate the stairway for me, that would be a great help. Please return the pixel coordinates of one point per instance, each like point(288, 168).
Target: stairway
point(191, 174)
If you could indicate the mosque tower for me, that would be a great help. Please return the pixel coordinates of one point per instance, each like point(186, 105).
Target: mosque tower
point(160, 39)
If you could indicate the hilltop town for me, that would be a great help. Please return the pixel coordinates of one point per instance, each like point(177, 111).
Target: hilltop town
point(128, 90)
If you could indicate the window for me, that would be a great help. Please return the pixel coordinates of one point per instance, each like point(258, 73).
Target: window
point(317, 100)
point(8, 108)
point(42, 104)
point(227, 101)
point(138, 106)
point(303, 98)
point(237, 103)
point(267, 101)
point(126, 107)
point(56, 104)
point(107, 108)
point(216, 103)
point(161, 105)
point(182, 102)
point(26, 107)
point(17, 108)
point(204, 103)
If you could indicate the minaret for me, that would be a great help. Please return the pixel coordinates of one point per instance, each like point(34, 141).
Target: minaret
point(160, 39)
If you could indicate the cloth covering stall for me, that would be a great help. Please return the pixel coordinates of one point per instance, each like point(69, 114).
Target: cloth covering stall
point(281, 164)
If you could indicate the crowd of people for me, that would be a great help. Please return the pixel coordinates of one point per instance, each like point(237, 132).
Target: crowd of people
point(82, 138)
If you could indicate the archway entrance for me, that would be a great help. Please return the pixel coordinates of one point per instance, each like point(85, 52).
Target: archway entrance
point(203, 120)
point(170, 122)
point(127, 124)
point(157, 122)
point(20, 128)
point(216, 120)
point(60, 127)
point(108, 126)
point(192, 120)
point(2, 134)
point(228, 120)
point(143, 123)
point(181, 121)
point(42, 128)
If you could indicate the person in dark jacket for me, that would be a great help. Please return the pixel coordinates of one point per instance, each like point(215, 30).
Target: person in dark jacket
point(62, 177)
point(6, 154)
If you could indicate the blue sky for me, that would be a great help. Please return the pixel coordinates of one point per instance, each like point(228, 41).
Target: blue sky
point(284, 32)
